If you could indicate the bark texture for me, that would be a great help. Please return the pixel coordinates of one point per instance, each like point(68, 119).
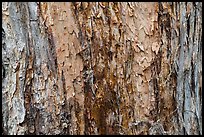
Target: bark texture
point(101, 68)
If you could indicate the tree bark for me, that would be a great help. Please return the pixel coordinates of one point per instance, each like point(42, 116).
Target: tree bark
point(101, 68)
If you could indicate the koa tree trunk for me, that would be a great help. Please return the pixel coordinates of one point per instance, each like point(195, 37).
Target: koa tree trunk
point(101, 68)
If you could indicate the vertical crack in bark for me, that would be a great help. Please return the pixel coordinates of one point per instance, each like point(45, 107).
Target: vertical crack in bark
point(86, 55)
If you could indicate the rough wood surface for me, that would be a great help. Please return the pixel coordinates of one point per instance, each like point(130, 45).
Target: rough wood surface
point(101, 68)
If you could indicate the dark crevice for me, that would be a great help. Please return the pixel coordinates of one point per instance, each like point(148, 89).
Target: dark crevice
point(52, 63)
point(160, 18)
point(3, 34)
point(194, 23)
point(192, 79)
point(76, 16)
point(156, 93)
point(168, 33)
point(188, 26)
point(157, 64)
point(5, 59)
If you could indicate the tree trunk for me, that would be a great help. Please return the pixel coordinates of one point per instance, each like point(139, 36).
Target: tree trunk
point(101, 68)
